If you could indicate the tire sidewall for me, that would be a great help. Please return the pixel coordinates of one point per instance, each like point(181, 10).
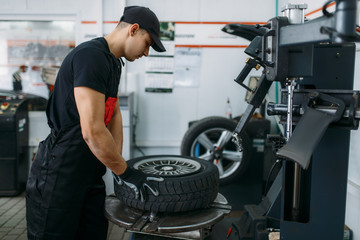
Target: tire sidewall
point(206, 166)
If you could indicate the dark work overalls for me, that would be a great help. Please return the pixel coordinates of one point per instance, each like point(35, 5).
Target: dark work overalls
point(65, 192)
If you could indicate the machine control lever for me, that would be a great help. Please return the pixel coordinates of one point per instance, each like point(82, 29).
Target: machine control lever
point(255, 101)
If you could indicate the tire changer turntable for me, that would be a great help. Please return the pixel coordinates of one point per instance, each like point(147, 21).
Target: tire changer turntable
point(188, 204)
point(318, 58)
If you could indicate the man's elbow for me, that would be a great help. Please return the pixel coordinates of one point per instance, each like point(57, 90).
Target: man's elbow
point(91, 133)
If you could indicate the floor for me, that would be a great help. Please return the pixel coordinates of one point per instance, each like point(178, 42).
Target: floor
point(13, 222)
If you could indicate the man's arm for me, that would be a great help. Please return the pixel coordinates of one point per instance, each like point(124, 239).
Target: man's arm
point(91, 108)
point(116, 127)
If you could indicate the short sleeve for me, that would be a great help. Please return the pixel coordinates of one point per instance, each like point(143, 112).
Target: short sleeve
point(91, 69)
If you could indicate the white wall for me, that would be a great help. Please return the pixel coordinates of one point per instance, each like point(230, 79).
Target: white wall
point(353, 196)
point(101, 15)
point(49, 10)
point(164, 118)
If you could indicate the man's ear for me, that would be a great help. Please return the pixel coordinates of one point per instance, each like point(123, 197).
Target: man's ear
point(133, 29)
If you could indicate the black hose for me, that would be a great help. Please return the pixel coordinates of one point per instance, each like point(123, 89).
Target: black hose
point(269, 175)
point(324, 9)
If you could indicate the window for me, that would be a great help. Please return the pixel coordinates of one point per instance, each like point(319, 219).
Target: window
point(27, 47)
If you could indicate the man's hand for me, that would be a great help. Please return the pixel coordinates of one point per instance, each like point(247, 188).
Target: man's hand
point(138, 181)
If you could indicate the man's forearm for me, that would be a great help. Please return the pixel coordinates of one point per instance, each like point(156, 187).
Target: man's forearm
point(116, 128)
point(103, 146)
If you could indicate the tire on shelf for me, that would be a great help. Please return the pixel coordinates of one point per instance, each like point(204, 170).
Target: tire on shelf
point(210, 129)
point(189, 183)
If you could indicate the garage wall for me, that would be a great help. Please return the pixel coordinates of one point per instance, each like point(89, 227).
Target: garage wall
point(93, 17)
point(353, 196)
point(164, 117)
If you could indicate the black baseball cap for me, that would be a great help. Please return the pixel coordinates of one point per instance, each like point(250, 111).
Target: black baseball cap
point(147, 20)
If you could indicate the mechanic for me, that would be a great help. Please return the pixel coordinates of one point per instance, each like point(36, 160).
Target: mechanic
point(65, 193)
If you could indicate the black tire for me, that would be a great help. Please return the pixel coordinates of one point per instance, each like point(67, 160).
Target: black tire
point(192, 189)
point(232, 164)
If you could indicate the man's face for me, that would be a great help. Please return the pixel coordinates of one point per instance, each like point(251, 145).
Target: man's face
point(138, 45)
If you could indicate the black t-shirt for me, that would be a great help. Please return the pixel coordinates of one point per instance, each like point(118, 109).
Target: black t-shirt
point(91, 64)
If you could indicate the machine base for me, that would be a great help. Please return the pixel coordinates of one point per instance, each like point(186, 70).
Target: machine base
point(195, 224)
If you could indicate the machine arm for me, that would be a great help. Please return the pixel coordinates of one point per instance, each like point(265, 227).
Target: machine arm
point(340, 27)
point(255, 101)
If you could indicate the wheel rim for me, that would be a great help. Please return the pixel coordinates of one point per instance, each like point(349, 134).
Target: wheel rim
point(168, 166)
point(228, 159)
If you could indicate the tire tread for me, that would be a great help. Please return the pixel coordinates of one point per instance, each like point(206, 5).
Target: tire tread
point(177, 194)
